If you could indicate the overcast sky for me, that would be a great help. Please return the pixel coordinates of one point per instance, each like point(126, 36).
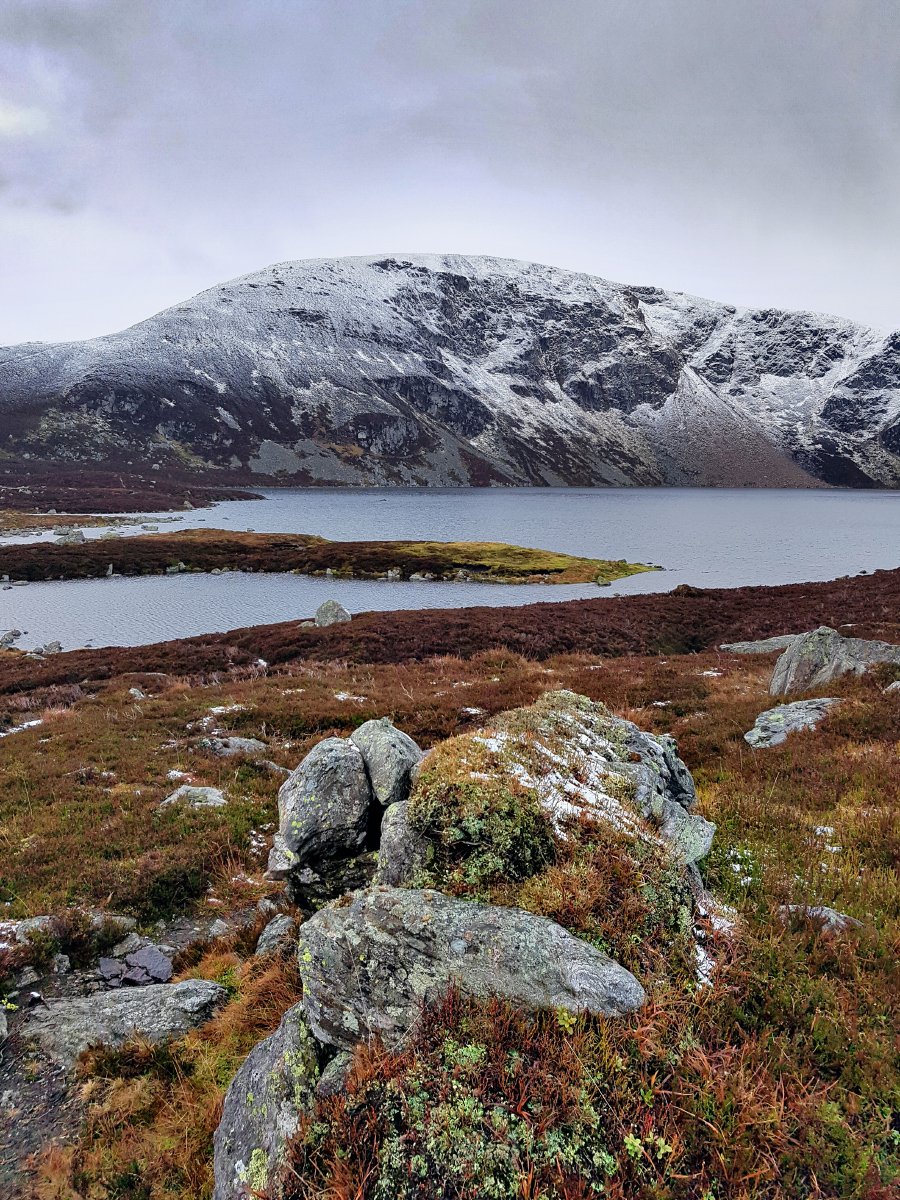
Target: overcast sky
point(747, 150)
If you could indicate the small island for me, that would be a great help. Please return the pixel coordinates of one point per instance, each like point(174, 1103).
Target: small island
point(217, 550)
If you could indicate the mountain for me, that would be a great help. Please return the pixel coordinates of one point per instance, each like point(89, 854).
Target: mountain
point(447, 370)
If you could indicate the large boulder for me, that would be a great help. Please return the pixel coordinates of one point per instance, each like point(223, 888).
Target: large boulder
point(814, 659)
point(63, 1029)
point(579, 757)
point(390, 756)
point(274, 1086)
point(369, 961)
point(323, 812)
point(772, 727)
point(331, 613)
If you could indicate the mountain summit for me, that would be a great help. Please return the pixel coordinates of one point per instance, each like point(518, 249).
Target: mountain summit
point(457, 370)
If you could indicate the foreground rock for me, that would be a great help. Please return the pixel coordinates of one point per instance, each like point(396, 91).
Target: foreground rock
point(330, 811)
point(390, 756)
point(773, 726)
point(814, 659)
point(65, 1028)
point(274, 1086)
point(368, 964)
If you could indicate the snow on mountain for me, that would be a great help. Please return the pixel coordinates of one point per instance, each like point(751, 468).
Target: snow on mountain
point(447, 369)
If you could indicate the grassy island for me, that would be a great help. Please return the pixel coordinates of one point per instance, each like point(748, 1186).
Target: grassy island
point(305, 554)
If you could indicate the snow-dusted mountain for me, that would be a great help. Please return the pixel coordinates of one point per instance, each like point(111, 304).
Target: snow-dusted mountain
point(449, 369)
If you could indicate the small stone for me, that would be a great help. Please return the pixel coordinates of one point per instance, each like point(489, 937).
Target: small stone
point(196, 797)
point(280, 933)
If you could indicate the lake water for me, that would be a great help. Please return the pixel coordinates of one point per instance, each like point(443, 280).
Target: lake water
point(705, 537)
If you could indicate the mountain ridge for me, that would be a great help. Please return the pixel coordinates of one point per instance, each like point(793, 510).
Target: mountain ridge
point(450, 370)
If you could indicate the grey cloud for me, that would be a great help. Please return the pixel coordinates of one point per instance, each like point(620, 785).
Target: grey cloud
point(748, 148)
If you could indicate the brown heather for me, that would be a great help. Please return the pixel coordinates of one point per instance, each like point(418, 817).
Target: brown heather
point(780, 1081)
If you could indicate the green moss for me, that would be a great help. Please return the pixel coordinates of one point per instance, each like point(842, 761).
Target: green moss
point(482, 830)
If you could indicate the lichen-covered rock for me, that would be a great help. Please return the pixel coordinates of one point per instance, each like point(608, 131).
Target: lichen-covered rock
point(323, 818)
point(63, 1029)
point(390, 756)
point(369, 961)
point(196, 797)
point(331, 613)
point(274, 1086)
point(403, 851)
point(580, 758)
point(280, 932)
point(772, 727)
point(763, 646)
point(815, 659)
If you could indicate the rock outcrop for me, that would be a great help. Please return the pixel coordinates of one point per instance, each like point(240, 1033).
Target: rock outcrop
point(63, 1029)
point(330, 811)
point(772, 727)
point(458, 370)
point(369, 963)
point(814, 659)
point(274, 1086)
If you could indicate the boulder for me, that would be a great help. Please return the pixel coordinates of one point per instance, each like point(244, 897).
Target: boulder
point(369, 961)
point(323, 812)
point(4, 1026)
point(772, 726)
point(280, 932)
point(892, 687)
point(331, 613)
point(403, 851)
point(767, 645)
point(390, 756)
point(196, 797)
point(63, 1029)
point(262, 1109)
point(579, 757)
point(815, 659)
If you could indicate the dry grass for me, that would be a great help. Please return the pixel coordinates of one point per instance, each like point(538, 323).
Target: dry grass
point(781, 1081)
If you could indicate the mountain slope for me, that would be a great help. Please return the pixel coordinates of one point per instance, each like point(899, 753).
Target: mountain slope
point(454, 370)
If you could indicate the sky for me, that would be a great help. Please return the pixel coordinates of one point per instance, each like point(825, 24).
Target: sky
point(745, 150)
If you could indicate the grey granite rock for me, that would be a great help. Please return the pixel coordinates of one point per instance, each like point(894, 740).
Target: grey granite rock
point(196, 797)
point(814, 659)
point(63, 1029)
point(280, 932)
point(370, 960)
point(772, 727)
point(764, 646)
point(323, 811)
point(274, 1086)
point(331, 613)
point(390, 756)
point(403, 850)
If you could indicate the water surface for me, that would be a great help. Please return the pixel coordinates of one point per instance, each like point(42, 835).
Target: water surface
point(705, 537)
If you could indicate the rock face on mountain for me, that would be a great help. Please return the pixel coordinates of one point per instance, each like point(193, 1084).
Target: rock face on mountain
point(448, 370)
